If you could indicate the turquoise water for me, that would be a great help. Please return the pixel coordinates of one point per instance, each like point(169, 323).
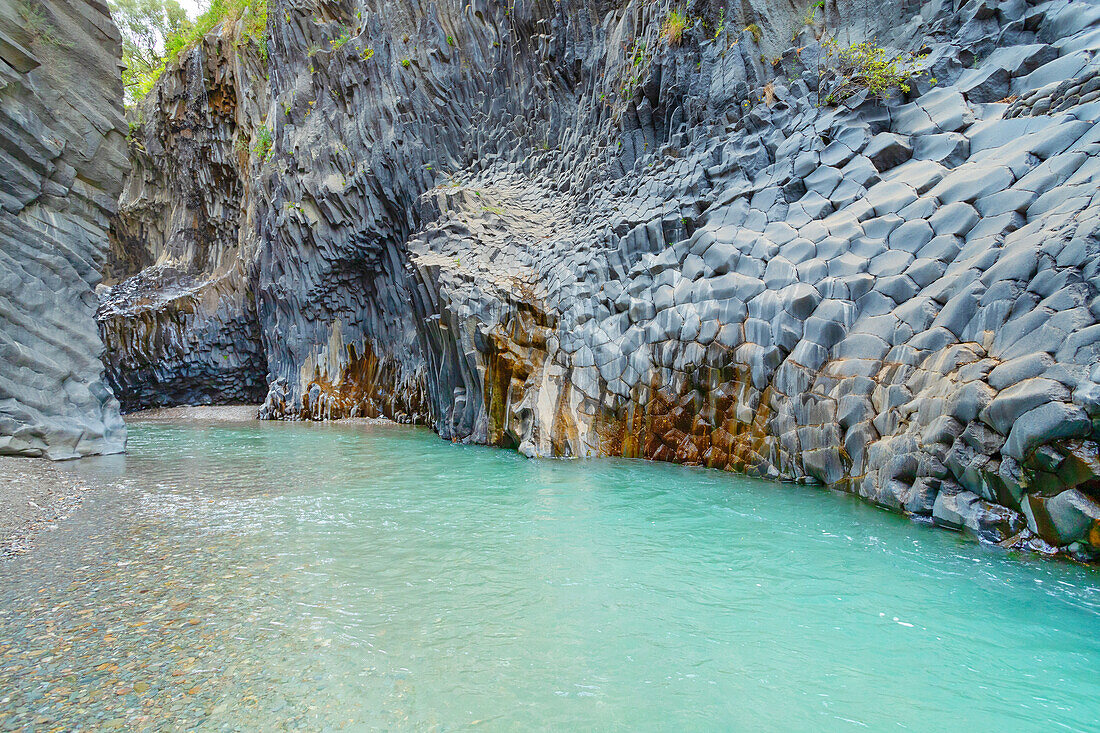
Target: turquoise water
point(334, 577)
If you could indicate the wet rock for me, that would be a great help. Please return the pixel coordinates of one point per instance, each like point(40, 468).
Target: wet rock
point(1071, 516)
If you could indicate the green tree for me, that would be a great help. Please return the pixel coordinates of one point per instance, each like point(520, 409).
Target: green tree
point(147, 28)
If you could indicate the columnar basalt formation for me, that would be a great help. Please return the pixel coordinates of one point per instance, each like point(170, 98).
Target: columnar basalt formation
point(178, 316)
point(549, 227)
point(62, 159)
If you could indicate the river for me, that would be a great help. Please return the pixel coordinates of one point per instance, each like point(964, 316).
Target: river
point(271, 576)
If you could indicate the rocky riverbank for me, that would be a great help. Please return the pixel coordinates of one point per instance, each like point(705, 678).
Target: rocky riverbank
point(197, 413)
point(34, 495)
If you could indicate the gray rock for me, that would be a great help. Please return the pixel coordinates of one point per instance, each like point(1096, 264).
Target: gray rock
point(1016, 370)
point(1044, 424)
point(887, 150)
point(954, 509)
point(1066, 517)
point(62, 142)
point(949, 149)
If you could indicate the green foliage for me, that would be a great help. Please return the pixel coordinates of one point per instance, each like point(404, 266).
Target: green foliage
point(262, 148)
point(155, 32)
point(867, 66)
point(640, 60)
point(366, 53)
point(673, 27)
point(754, 29)
point(340, 40)
point(254, 26)
point(450, 40)
point(721, 23)
point(811, 12)
point(148, 29)
point(809, 19)
point(406, 63)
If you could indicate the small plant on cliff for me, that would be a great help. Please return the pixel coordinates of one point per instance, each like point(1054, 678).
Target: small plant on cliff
point(637, 70)
point(811, 12)
point(366, 53)
point(262, 148)
point(754, 29)
point(340, 40)
point(865, 66)
point(769, 94)
point(406, 63)
point(450, 40)
point(37, 26)
point(673, 27)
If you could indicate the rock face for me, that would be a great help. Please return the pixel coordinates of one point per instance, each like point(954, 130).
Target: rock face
point(546, 226)
point(178, 316)
point(62, 159)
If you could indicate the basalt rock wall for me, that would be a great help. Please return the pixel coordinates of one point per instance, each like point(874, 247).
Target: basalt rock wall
point(550, 226)
point(178, 313)
point(62, 159)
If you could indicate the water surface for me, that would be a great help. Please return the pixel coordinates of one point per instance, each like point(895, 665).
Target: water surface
point(328, 577)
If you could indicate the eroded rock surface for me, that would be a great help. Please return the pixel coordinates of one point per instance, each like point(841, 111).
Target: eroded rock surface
point(178, 316)
point(543, 226)
point(62, 159)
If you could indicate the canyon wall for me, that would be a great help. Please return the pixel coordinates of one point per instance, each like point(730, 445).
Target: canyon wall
point(177, 313)
point(62, 160)
point(552, 227)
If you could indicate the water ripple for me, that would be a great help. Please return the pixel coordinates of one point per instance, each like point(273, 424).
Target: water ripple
point(303, 577)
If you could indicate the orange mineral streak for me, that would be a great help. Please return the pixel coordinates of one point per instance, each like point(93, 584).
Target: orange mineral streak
point(517, 355)
point(365, 386)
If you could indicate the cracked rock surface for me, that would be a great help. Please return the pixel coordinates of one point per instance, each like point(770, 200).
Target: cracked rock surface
point(62, 159)
point(542, 226)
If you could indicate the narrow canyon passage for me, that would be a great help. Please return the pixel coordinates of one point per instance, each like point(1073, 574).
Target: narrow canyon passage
point(269, 576)
point(443, 365)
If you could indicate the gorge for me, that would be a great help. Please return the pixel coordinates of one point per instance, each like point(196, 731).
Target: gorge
point(550, 227)
point(288, 288)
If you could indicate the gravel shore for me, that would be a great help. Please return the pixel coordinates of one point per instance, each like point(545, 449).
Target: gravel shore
point(203, 413)
point(34, 493)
